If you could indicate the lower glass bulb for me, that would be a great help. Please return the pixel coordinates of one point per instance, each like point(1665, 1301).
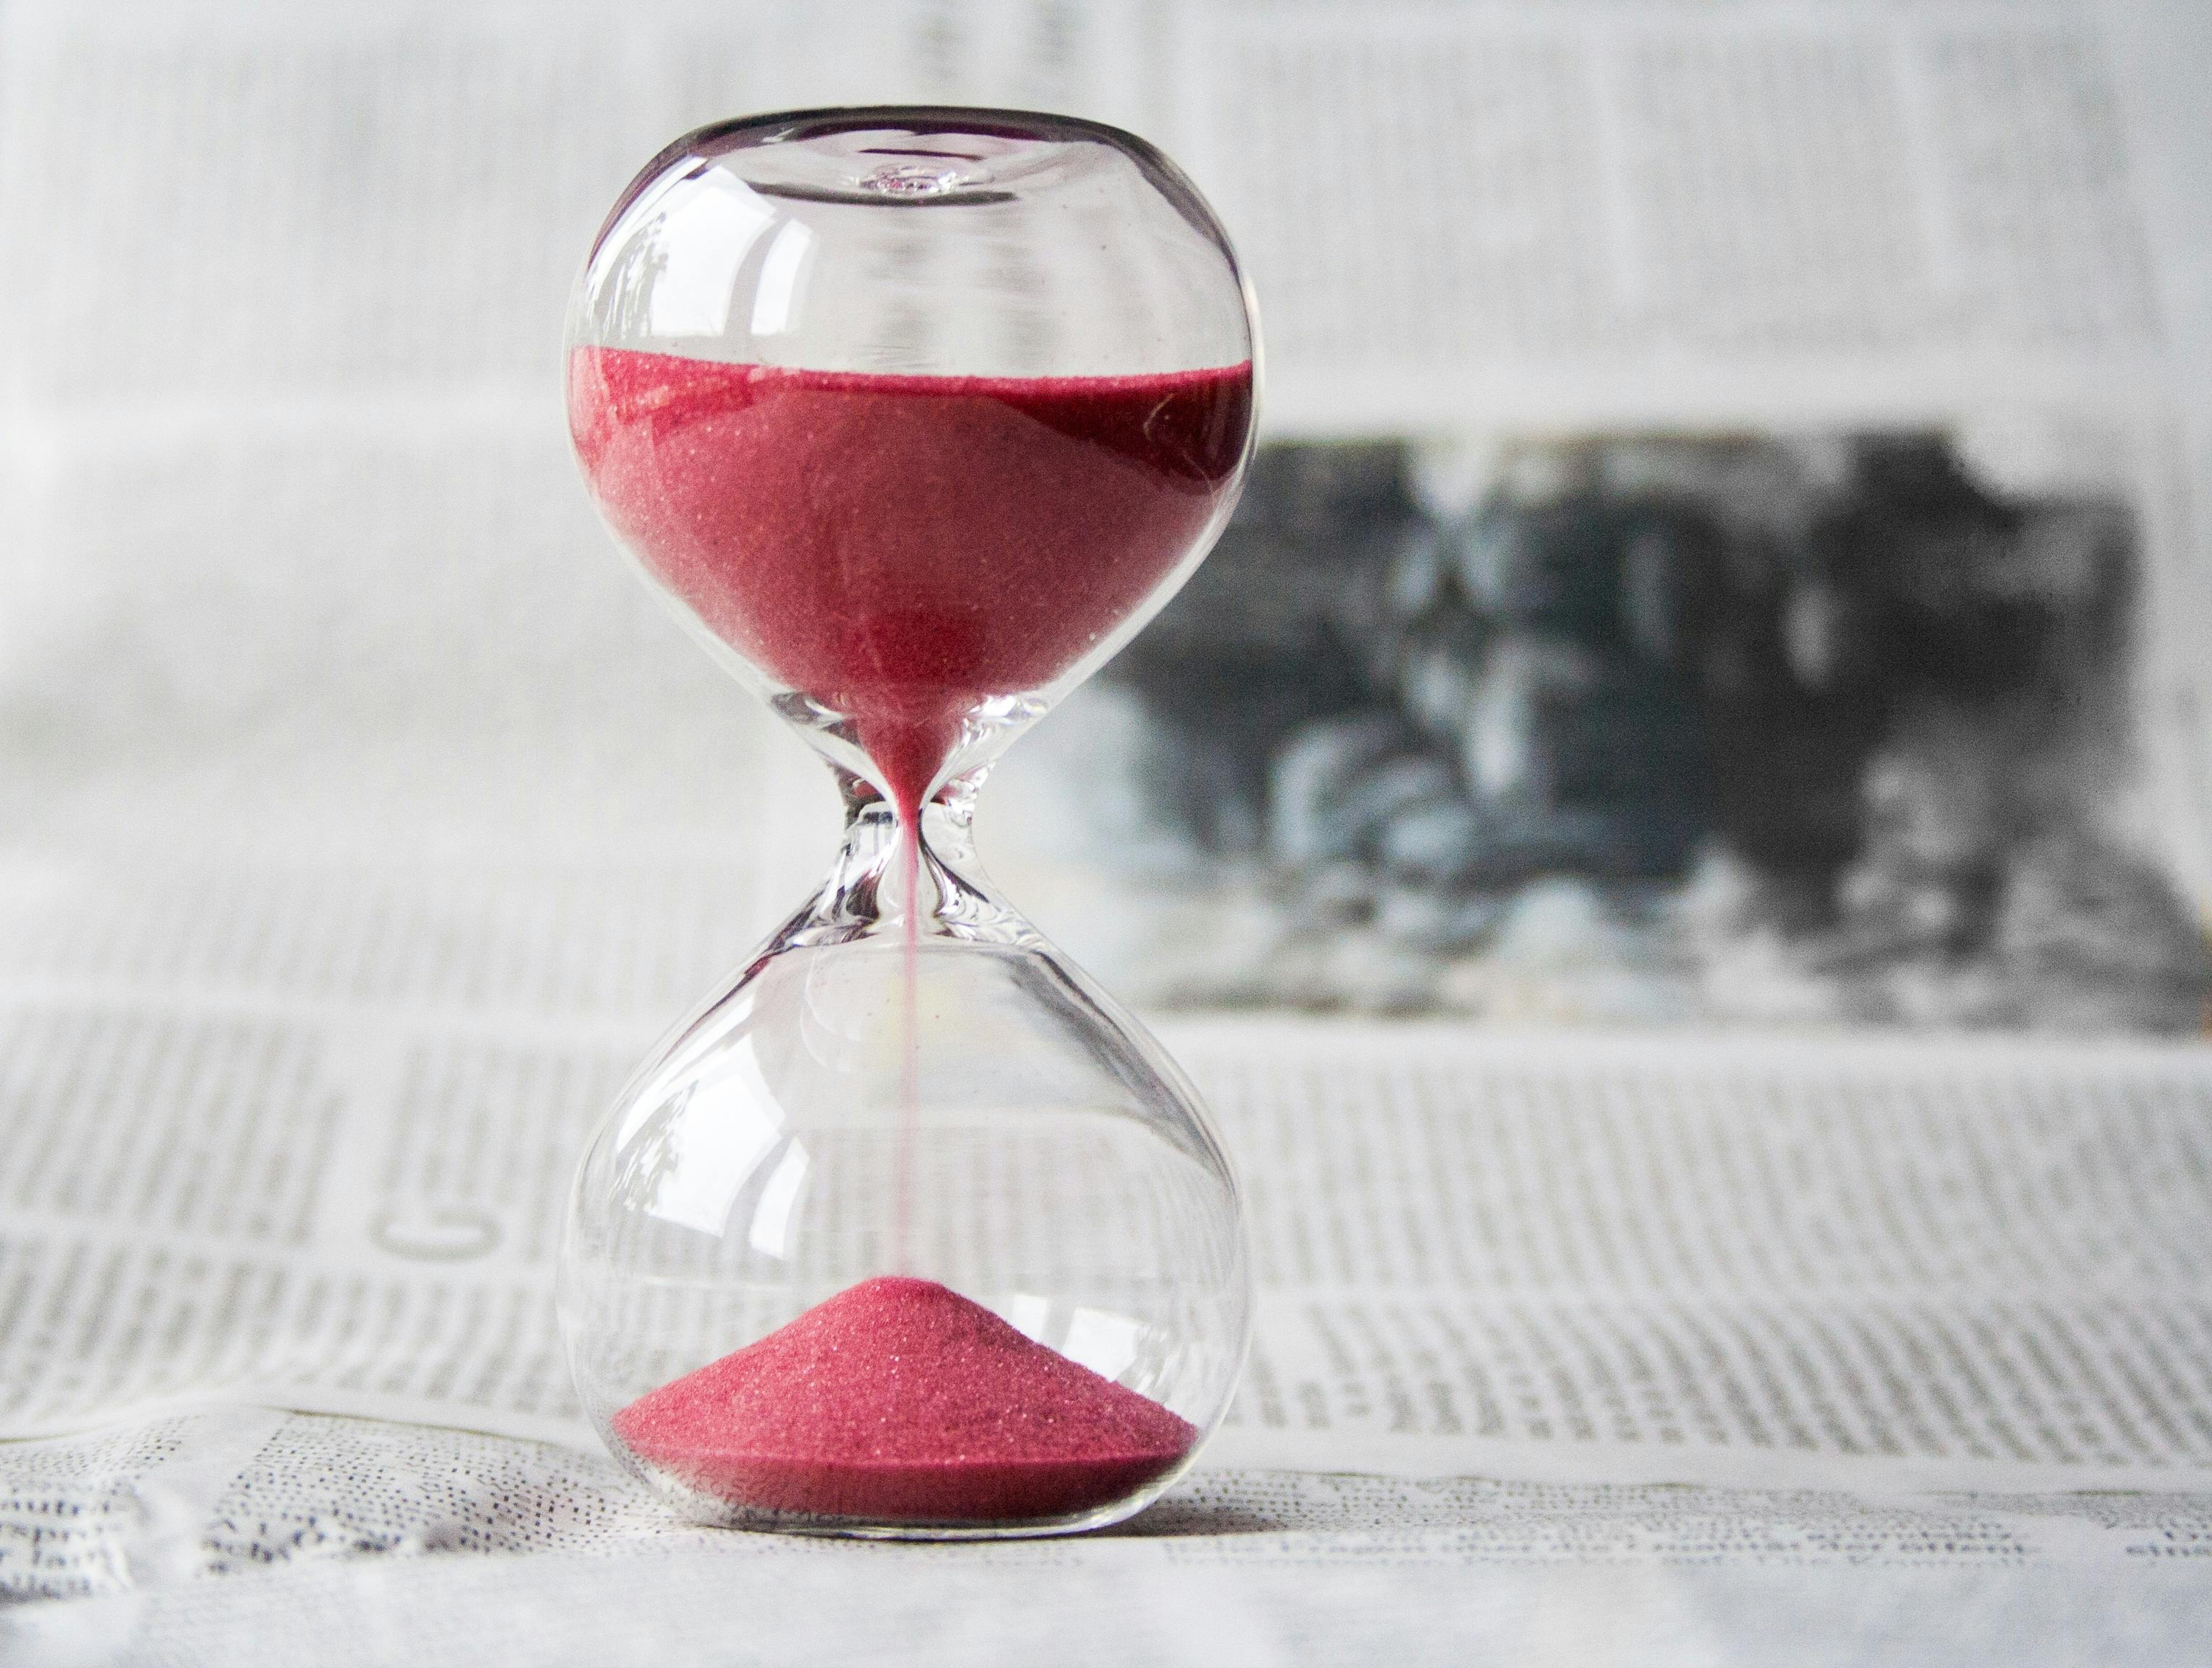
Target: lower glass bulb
point(905, 1234)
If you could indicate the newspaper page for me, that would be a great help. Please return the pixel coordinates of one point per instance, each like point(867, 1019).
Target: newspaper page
point(1225, 1571)
point(1648, 1307)
point(1120, 1599)
point(1880, 1266)
point(358, 846)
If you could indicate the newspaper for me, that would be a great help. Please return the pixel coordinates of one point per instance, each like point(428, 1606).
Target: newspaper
point(1839, 1313)
point(1120, 1598)
point(1423, 1571)
point(362, 824)
point(1878, 1265)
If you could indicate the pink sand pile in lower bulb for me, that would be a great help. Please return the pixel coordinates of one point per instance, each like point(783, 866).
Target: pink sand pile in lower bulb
point(900, 1401)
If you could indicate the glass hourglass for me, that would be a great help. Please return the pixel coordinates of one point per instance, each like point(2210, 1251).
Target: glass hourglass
point(916, 416)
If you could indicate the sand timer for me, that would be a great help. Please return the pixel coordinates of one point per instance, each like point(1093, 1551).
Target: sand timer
point(916, 415)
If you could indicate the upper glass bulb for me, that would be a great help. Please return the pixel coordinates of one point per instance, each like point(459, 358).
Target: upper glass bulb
point(920, 414)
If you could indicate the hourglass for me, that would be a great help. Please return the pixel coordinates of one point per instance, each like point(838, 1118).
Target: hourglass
point(916, 416)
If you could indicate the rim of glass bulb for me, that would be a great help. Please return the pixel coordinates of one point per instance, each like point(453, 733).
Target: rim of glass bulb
point(1010, 122)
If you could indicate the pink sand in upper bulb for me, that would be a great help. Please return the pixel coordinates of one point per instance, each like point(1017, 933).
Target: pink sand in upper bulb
point(901, 548)
point(900, 1401)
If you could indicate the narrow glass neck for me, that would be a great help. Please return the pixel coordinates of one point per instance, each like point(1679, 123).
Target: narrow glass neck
point(879, 883)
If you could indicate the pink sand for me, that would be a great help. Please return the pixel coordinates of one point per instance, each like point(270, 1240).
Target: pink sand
point(900, 1401)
